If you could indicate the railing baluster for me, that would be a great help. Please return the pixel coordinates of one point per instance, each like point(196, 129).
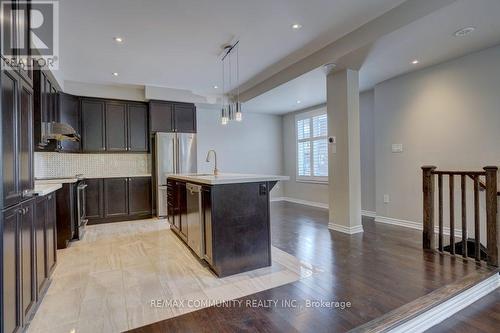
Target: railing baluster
point(491, 215)
point(477, 234)
point(464, 217)
point(440, 208)
point(452, 214)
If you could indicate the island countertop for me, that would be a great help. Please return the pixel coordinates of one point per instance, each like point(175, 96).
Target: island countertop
point(226, 178)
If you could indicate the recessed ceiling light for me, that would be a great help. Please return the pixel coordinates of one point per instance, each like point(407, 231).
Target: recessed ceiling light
point(296, 26)
point(118, 39)
point(115, 74)
point(415, 62)
point(216, 87)
point(464, 32)
point(299, 101)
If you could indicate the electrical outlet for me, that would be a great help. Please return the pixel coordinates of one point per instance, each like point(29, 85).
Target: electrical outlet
point(397, 147)
point(387, 198)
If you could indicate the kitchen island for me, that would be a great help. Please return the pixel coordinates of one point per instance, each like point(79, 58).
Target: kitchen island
point(224, 219)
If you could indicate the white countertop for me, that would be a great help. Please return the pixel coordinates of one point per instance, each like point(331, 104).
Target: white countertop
point(74, 180)
point(44, 189)
point(227, 178)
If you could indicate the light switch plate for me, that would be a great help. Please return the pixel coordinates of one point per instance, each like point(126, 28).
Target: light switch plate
point(397, 147)
point(387, 198)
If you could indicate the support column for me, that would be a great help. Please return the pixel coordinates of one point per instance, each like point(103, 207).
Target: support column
point(344, 160)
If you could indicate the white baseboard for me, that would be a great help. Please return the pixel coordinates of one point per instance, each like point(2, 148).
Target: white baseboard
point(448, 308)
point(301, 202)
point(368, 213)
point(346, 230)
point(414, 225)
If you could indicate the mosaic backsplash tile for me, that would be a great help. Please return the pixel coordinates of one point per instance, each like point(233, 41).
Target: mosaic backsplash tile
point(49, 165)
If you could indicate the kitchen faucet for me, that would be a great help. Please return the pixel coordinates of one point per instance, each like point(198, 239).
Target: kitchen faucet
point(216, 171)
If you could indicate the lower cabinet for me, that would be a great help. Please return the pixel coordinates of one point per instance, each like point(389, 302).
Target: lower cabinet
point(118, 199)
point(28, 257)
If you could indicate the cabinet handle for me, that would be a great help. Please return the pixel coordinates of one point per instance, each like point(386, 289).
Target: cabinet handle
point(20, 211)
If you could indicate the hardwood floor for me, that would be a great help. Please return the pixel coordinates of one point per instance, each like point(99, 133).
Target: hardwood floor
point(376, 271)
point(482, 316)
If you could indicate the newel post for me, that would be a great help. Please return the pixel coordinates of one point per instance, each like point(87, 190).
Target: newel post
point(428, 189)
point(492, 228)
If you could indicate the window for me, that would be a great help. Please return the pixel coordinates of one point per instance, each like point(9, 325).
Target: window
point(312, 146)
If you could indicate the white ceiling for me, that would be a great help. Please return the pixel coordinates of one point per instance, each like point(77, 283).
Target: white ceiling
point(176, 43)
point(430, 40)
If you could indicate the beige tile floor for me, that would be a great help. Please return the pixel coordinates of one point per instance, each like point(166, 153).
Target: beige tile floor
point(106, 282)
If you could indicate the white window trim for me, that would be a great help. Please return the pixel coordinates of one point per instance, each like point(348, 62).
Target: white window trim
point(307, 179)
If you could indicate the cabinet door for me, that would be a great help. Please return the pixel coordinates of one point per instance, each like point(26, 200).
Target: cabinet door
point(116, 126)
point(9, 87)
point(23, 36)
point(51, 234)
point(115, 197)
point(69, 113)
point(41, 269)
point(139, 195)
point(26, 181)
point(94, 199)
point(138, 135)
point(92, 125)
point(27, 240)
point(185, 118)
point(7, 30)
point(11, 320)
point(161, 117)
point(181, 215)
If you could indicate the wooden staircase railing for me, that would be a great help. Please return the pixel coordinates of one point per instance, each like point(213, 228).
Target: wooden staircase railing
point(430, 173)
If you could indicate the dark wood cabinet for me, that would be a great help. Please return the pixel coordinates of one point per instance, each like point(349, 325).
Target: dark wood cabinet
point(51, 234)
point(161, 116)
point(27, 259)
point(10, 90)
point(94, 199)
point(172, 117)
point(40, 241)
point(139, 189)
point(11, 320)
point(177, 207)
point(26, 177)
point(45, 108)
point(138, 139)
point(93, 125)
point(116, 197)
point(69, 113)
point(66, 214)
point(116, 127)
point(185, 118)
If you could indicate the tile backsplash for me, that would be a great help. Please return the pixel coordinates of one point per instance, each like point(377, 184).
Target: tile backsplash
point(49, 165)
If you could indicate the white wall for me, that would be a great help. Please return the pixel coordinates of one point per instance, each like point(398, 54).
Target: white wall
point(367, 139)
point(446, 115)
point(253, 146)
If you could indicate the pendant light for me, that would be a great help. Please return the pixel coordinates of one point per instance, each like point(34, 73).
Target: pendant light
point(231, 106)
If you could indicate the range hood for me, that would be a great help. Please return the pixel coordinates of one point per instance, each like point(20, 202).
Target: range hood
point(60, 132)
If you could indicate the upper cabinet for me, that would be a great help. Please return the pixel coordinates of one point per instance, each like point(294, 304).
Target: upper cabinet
point(114, 126)
point(172, 117)
point(138, 127)
point(46, 108)
point(93, 128)
point(69, 113)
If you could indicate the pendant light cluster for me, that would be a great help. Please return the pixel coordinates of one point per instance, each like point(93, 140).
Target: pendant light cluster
point(231, 106)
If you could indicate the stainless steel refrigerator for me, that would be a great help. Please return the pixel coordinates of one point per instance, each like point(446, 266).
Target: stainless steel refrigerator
point(174, 153)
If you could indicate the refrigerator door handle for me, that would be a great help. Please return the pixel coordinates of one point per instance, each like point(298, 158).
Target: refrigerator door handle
point(178, 156)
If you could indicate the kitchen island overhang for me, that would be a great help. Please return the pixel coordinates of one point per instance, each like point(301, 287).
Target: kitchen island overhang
point(224, 219)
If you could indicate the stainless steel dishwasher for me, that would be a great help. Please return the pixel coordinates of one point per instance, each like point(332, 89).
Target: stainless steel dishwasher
point(195, 227)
